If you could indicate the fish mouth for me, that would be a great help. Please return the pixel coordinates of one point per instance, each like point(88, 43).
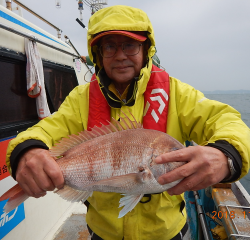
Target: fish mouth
point(174, 149)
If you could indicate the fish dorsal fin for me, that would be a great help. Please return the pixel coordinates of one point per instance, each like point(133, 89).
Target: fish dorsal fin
point(67, 143)
point(114, 126)
point(125, 123)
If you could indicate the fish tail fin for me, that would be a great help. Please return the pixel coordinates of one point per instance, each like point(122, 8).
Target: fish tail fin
point(16, 196)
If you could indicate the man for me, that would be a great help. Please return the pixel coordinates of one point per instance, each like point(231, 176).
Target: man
point(121, 45)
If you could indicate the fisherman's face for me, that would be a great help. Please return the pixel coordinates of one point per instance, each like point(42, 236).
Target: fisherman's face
point(122, 68)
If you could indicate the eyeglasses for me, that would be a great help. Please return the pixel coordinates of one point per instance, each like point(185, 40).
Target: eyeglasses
point(129, 48)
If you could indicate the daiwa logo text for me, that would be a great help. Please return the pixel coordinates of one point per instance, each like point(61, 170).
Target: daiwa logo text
point(159, 99)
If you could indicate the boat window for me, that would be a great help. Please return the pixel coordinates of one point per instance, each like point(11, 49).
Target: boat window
point(17, 110)
point(15, 105)
point(58, 85)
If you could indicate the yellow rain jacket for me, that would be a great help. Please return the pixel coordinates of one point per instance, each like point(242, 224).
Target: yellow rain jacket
point(191, 116)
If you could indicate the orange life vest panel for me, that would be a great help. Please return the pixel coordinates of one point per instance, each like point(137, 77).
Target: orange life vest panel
point(156, 99)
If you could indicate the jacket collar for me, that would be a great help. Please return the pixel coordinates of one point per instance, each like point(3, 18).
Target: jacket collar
point(112, 99)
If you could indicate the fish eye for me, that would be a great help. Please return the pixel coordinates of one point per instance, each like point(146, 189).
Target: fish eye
point(141, 169)
point(174, 149)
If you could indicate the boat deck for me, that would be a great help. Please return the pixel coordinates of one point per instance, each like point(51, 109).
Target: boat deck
point(232, 212)
point(74, 228)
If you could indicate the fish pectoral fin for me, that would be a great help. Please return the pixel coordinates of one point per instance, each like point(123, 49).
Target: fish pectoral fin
point(120, 181)
point(129, 202)
point(73, 195)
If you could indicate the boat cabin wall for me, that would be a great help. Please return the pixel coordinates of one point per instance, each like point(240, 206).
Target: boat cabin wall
point(62, 72)
point(18, 112)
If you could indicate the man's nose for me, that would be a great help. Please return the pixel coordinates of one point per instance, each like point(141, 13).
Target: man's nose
point(120, 53)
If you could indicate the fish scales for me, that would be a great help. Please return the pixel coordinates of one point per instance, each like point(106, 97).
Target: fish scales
point(104, 152)
point(112, 155)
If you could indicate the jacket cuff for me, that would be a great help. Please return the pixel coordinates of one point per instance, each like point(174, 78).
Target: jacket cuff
point(20, 149)
point(230, 151)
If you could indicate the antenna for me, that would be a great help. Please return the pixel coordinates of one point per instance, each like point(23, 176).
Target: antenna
point(80, 8)
point(96, 5)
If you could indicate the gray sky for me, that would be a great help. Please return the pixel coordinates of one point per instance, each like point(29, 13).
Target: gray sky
point(202, 43)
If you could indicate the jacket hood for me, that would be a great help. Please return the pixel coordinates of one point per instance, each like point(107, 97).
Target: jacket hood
point(124, 18)
point(119, 18)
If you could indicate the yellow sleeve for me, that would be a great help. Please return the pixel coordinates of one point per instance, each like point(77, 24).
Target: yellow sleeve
point(70, 118)
point(206, 121)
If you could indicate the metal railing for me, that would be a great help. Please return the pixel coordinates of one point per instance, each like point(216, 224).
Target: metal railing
point(8, 3)
point(33, 38)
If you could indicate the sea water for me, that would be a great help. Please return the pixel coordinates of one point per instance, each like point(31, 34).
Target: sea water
point(241, 102)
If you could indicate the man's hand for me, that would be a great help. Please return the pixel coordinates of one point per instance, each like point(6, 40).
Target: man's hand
point(83, 59)
point(38, 172)
point(205, 166)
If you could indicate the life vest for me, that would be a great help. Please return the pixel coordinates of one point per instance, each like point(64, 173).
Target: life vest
point(156, 99)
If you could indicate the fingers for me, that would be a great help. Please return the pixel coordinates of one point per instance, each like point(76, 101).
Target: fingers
point(181, 155)
point(83, 59)
point(191, 183)
point(38, 172)
point(179, 173)
point(204, 167)
point(55, 174)
point(28, 184)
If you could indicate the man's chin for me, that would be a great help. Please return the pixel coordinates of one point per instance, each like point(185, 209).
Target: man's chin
point(123, 78)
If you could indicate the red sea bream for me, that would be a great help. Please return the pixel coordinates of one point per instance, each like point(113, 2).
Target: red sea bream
point(118, 157)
